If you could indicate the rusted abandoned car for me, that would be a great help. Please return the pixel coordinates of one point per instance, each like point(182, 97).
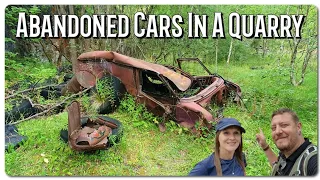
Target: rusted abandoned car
point(166, 91)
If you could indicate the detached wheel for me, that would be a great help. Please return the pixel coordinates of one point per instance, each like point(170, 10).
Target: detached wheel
point(113, 139)
point(13, 138)
point(24, 109)
point(116, 132)
point(111, 103)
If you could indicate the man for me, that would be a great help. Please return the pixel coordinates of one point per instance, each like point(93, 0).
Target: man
point(297, 156)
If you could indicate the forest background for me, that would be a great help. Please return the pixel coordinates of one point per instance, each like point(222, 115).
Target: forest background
point(272, 73)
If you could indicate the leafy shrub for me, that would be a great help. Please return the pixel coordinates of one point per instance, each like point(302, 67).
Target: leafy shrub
point(141, 117)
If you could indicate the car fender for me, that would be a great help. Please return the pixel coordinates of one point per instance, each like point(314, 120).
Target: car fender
point(188, 113)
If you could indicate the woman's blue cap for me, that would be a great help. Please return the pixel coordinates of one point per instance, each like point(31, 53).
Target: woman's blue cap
point(227, 122)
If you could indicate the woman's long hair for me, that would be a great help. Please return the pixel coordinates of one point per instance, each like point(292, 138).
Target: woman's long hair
point(238, 154)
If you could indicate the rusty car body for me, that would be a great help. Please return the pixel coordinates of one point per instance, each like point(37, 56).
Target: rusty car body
point(166, 91)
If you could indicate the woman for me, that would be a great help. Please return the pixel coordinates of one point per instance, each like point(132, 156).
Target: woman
point(228, 159)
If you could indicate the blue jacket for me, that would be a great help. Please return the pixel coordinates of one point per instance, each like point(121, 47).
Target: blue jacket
point(206, 167)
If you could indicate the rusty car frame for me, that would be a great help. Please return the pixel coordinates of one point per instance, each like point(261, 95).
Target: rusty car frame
point(166, 91)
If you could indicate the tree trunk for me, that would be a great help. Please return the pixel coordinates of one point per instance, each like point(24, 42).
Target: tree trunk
point(292, 63)
point(84, 43)
point(307, 56)
point(264, 47)
point(230, 49)
point(100, 41)
point(306, 61)
point(281, 53)
point(72, 45)
point(65, 50)
point(217, 41)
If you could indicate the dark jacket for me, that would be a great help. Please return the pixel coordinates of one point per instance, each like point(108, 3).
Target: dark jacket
point(287, 164)
point(206, 167)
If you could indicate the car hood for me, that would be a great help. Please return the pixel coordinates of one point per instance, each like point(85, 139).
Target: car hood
point(182, 82)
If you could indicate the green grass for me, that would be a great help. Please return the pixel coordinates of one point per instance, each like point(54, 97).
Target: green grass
point(141, 152)
point(145, 151)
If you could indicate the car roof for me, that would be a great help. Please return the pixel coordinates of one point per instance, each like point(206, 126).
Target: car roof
point(182, 82)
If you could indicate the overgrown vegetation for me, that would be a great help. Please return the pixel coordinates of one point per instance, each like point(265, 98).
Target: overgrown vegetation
point(103, 92)
point(256, 65)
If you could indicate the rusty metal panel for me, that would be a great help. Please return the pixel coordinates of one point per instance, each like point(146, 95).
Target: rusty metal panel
point(197, 108)
point(96, 55)
point(91, 66)
point(87, 73)
point(72, 86)
point(185, 117)
point(96, 63)
point(124, 73)
point(73, 117)
point(206, 93)
point(86, 79)
point(179, 80)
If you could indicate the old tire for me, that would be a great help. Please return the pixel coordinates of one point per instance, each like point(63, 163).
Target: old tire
point(118, 92)
point(24, 109)
point(12, 137)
